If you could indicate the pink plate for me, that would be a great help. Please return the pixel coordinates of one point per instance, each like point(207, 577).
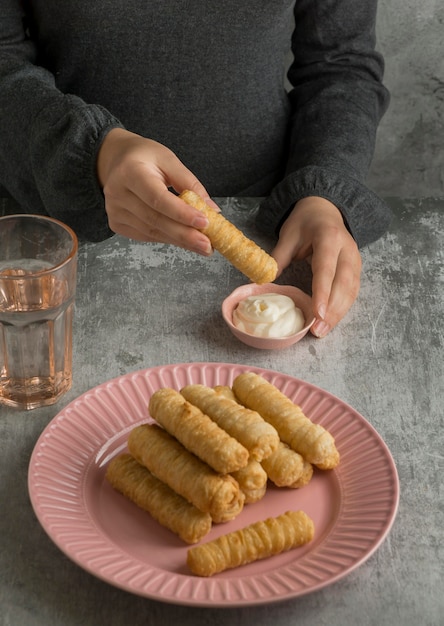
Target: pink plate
point(353, 507)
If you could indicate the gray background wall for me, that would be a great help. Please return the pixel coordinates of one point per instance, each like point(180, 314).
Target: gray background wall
point(409, 157)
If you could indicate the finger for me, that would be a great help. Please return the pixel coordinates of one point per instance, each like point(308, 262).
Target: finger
point(288, 246)
point(191, 183)
point(152, 190)
point(131, 232)
point(324, 265)
point(170, 172)
point(345, 286)
point(176, 175)
point(344, 290)
point(283, 255)
point(173, 207)
point(142, 223)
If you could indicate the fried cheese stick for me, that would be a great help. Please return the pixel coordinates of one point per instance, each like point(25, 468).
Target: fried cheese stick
point(149, 493)
point(258, 436)
point(283, 467)
point(244, 254)
point(257, 541)
point(197, 432)
point(305, 477)
point(287, 468)
point(225, 391)
point(311, 440)
point(164, 456)
point(252, 480)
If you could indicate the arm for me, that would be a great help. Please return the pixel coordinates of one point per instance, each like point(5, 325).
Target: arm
point(337, 102)
point(58, 152)
point(322, 208)
point(48, 140)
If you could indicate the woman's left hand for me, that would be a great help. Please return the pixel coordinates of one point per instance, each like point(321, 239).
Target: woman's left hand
point(315, 231)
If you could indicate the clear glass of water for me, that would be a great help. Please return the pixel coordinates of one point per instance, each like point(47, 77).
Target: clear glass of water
point(38, 270)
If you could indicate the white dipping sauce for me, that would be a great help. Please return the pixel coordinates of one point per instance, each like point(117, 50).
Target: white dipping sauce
point(268, 315)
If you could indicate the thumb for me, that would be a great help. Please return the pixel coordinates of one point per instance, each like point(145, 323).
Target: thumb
point(284, 252)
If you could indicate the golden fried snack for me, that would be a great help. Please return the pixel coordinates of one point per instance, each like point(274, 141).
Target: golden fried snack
point(197, 432)
point(247, 426)
point(164, 456)
point(244, 254)
point(225, 391)
point(136, 483)
point(257, 541)
point(287, 468)
point(252, 480)
point(305, 477)
point(311, 440)
point(284, 467)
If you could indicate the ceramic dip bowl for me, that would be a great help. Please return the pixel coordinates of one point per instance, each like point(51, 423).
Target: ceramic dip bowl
point(301, 300)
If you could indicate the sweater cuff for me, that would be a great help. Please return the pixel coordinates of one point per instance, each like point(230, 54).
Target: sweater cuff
point(366, 216)
point(65, 171)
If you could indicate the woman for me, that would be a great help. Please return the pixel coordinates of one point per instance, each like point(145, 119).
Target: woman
point(107, 107)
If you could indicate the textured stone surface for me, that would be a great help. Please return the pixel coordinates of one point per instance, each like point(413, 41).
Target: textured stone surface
point(143, 305)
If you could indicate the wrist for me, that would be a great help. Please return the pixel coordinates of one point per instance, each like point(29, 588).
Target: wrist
point(106, 152)
point(321, 206)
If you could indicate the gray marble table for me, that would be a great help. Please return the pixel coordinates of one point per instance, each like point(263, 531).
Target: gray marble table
point(142, 305)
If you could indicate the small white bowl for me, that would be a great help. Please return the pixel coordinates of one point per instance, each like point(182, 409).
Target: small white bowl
point(301, 300)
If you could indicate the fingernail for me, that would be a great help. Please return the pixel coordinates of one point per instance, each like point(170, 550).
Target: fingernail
point(212, 204)
point(320, 329)
point(204, 247)
point(200, 222)
point(322, 310)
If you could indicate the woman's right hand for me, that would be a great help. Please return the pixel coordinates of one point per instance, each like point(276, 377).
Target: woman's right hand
point(135, 174)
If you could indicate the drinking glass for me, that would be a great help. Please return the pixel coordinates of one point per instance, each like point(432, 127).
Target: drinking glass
point(38, 268)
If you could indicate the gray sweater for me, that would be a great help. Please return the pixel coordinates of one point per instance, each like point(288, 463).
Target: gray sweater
point(207, 80)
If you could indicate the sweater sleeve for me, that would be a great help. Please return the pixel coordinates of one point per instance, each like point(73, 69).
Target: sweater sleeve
point(337, 101)
point(48, 140)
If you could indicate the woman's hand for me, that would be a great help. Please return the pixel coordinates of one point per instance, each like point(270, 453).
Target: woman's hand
point(136, 174)
point(315, 231)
